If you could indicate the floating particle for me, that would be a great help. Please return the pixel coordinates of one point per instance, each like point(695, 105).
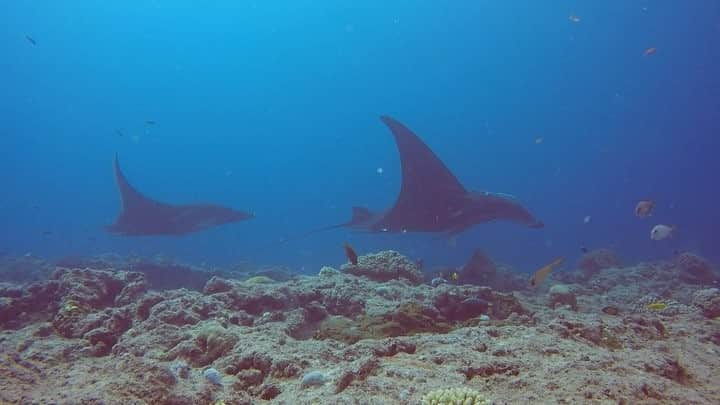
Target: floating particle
point(649, 51)
point(380, 170)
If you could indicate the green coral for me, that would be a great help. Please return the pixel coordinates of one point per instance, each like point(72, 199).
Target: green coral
point(453, 396)
point(259, 280)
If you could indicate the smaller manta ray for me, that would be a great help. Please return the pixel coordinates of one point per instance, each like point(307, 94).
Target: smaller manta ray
point(142, 216)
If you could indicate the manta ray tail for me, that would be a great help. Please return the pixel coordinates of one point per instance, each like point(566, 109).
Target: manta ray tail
point(360, 215)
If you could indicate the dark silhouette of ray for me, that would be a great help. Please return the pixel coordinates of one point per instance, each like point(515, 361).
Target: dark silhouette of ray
point(140, 215)
point(431, 198)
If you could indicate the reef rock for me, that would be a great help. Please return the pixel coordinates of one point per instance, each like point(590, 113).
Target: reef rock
point(561, 294)
point(596, 260)
point(384, 266)
point(694, 269)
point(479, 270)
point(708, 301)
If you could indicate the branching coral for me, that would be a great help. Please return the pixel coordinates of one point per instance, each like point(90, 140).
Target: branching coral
point(453, 396)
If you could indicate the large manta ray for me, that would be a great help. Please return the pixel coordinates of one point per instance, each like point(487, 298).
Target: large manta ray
point(143, 216)
point(431, 198)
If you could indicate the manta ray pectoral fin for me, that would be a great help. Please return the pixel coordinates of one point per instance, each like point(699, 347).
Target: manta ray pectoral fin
point(132, 200)
point(428, 187)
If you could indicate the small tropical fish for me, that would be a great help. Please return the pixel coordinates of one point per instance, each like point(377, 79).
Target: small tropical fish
point(587, 219)
point(574, 18)
point(539, 140)
point(119, 132)
point(351, 255)
point(649, 51)
point(150, 122)
point(660, 232)
point(540, 275)
point(47, 233)
point(584, 249)
point(656, 306)
point(454, 276)
point(30, 39)
point(610, 310)
point(644, 208)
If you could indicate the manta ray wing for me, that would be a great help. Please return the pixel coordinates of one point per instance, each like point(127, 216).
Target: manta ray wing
point(429, 194)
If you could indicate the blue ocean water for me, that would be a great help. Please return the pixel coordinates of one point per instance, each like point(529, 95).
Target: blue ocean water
point(273, 106)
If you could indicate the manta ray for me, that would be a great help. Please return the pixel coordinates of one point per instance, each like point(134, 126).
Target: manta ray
point(431, 198)
point(141, 216)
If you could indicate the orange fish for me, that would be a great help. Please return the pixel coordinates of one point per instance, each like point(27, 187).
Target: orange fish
point(350, 253)
point(644, 208)
point(540, 275)
point(649, 51)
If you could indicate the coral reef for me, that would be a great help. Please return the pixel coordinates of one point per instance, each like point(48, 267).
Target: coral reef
point(708, 300)
point(452, 396)
point(101, 336)
point(596, 260)
point(561, 294)
point(481, 270)
point(695, 269)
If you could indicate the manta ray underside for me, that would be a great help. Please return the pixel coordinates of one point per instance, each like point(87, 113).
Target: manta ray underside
point(143, 216)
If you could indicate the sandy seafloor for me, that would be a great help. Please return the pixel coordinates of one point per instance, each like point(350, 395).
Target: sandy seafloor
point(108, 332)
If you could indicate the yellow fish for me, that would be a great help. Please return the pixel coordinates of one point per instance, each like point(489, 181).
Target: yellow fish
point(454, 276)
point(540, 275)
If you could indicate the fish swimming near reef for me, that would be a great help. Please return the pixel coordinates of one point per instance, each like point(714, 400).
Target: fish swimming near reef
point(660, 232)
point(351, 255)
point(649, 51)
point(543, 272)
point(141, 216)
point(611, 310)
point(431, 198)
point(644, 208)
point(31, 40)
